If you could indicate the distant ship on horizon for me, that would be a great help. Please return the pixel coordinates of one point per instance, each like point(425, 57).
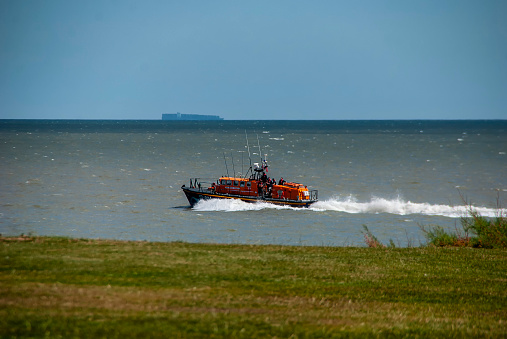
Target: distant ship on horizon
point(179, 116)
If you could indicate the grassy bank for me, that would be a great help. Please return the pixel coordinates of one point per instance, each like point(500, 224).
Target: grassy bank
point(91, 288)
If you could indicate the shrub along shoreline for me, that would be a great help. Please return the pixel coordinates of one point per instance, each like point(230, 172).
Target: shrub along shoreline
point(60, 287)
point(476, 231)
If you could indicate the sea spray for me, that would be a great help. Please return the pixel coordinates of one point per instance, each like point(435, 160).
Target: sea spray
point(234, 205)
point(396, 206)
point(349, 204)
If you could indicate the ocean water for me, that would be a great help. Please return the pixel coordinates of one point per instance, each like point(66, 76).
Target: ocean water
point(122, 179)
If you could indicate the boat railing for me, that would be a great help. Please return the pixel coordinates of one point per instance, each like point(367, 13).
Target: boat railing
point(198, 183)
point(314, 194)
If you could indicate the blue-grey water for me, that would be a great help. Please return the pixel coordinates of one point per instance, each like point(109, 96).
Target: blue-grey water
point(122, 179)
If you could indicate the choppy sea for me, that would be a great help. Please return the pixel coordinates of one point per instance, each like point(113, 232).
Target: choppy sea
point(121, 179)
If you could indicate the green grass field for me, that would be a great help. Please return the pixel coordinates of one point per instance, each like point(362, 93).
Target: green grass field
point(59, 287)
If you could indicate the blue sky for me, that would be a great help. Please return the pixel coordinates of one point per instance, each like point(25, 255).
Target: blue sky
point(253, 59)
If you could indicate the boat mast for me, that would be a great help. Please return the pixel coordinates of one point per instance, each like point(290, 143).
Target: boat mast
point(233, 169)
point(260, 153)
point(248, 147)
point(249, 156)
point(227, 169)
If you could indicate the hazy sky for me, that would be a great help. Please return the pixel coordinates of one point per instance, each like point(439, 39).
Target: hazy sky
point(253, 59)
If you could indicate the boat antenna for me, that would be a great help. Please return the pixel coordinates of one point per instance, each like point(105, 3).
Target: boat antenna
point(233, 169)
point(248, 146)
point(227, 169)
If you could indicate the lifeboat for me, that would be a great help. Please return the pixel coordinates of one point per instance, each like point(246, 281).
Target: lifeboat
point(257, 187)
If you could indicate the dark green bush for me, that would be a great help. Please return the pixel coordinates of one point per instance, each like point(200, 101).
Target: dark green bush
point(489, 233)
point(437, 236)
